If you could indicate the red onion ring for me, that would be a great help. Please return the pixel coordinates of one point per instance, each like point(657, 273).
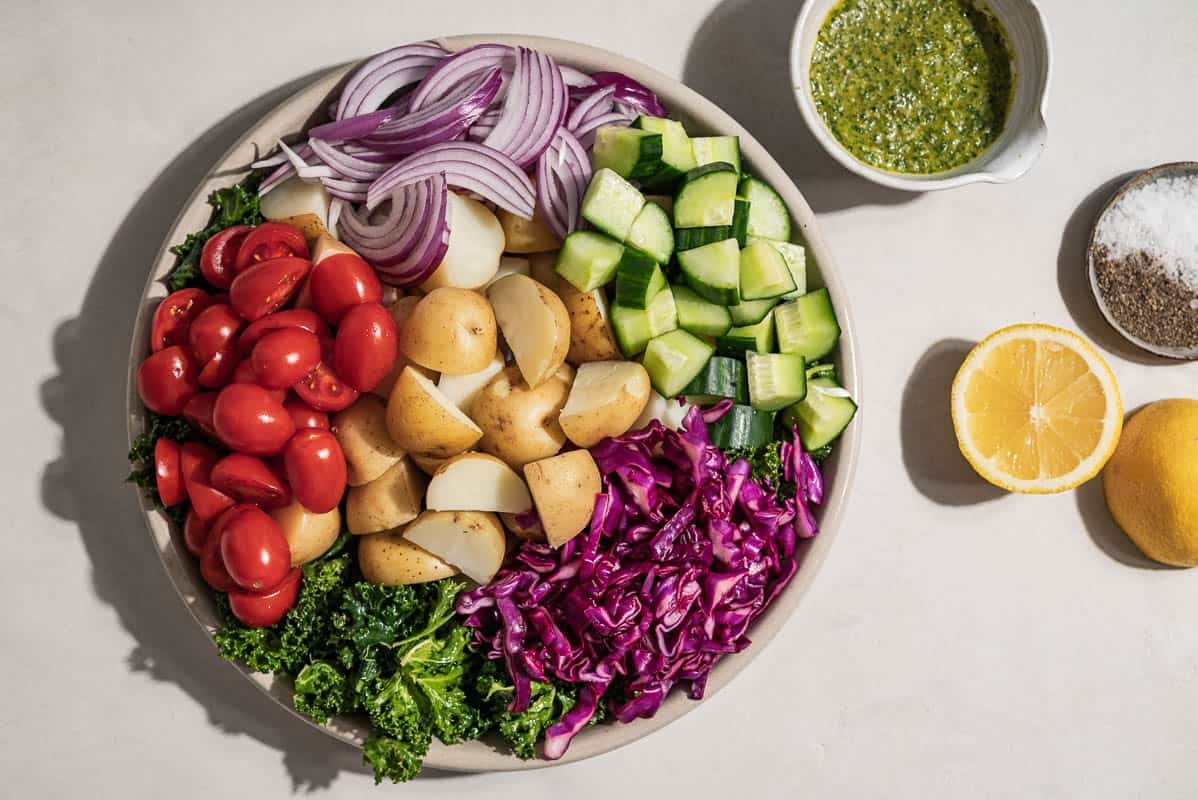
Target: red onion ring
point(535, 108)
point(354, 127)
point(563, 172)
point(466, 165)
point(585, 133)
point(444, 120)
point(383, 75)
point(447, 76)
point(591, 106)
point(631, 93)
point(407, 245)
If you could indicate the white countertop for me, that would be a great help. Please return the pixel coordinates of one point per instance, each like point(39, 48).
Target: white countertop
point(958, 643)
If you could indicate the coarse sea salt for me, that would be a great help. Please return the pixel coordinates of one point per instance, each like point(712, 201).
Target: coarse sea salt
point(1160, 220)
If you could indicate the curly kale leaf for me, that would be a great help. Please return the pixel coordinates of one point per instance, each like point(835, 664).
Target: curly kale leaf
point(395, 760)
point(322, 691)
point(235, 205)
point(522, 731)
point(765, 464)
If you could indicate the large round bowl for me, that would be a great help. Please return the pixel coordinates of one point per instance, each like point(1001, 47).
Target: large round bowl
point(700, 117)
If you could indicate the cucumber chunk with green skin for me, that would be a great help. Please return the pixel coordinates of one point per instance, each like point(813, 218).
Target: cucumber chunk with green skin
point(651, 233)
point(709, 149)
point(611, 204)
point(742, 426)
point(750, 312)
point(821, 371)
point(674, 359)
point(768, 216)
point(663, 201)
point(699, 316)
point(807, 325)
point(677, 156)
point(822, 415)
point(690, 238)
point(757, 338)
point(707, 196)
point(776, 380)
point(588, 259)
point(629, 152)
point(634, 327)
point(713, 271)
point(740, 221)
point(763, 273)
point(638, 279)
point(721, 378)
point(796, 261)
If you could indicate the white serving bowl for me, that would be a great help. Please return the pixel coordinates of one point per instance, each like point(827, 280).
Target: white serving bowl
point(700, 116)
point(1009, 157)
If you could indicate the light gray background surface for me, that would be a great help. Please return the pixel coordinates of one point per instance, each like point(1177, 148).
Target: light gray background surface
point(959, 643)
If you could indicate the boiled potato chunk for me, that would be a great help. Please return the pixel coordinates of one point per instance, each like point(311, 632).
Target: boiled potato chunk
point(525, 528)
point(542, 268)
point(535, 325)
point(361, 430)
point(388, 559)
point(423, 421)
point(519, 424)
point(462, 389)
point(528, 235)
point(389, 501)
point(606, 399)
point(471, 541)
point(450, 330)
point(477, 482)
point(475, 244)
point(670, 413)
point(510, 265)
point(591, 334)
point(300, 203)
point(400, 310)
point(564, 489)
point(309, 535)
point(427, 464)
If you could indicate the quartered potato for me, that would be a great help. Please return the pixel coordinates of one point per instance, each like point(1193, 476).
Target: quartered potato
point(535, 325)
point(510, 265)
point(523, 528)
point(563, 489)
point(476, 241)
point(388, 559)
point(472, 541)
point(361, 430)
point(308, 534)
point(451, 331)
point(389, 501)
point(591, 335)
point(300, 203)
point(400, 310)
point(606, 399)
point(518, 423)
point(542, 268)
point(477, 482)
point(527, 235)
point(423, 421)
point(462, 389)
point(427, 464)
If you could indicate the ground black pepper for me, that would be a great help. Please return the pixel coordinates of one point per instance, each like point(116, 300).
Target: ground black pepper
point(1147, 303)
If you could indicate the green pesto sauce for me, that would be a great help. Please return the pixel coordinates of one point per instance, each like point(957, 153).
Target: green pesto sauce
point(912, 86)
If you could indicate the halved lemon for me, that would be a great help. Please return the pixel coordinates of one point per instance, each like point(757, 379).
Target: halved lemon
point(1036, 409)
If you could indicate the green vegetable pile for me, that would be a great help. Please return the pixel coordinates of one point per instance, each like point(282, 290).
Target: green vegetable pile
point(235, 205)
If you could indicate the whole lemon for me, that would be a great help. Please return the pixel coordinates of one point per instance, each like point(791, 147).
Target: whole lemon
point(1151, 482)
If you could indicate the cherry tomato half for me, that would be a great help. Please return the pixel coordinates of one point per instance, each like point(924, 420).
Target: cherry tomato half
point(198, 412)
point(315, 468)
point(197, 461)
point(174, 315)
point(218, 371)
point(244, 373)
point(250, 420)
point(291, 318)
point(167, 380)
point(219, 255)
point(322, 388)
point(263, 609)
point(253, 548)
point(304, 416)
point(212, 331)
point(212, 564)
point(168, 471)
point(268, 241)
point(195, 532)
point(366, 346)
point(266, 286)
point(283, 357)
point(249, 479)
point(341, 281)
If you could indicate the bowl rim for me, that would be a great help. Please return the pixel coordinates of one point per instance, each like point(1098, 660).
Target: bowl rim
point(480, 755)
point(968, 173)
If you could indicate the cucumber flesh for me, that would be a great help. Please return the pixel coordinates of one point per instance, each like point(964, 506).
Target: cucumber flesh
point(677, 156)
point(763, 272)
point(776, 380)
point(611, 204)
point(707, 196)
point(638, 279)
point(709, 149)
point(674, 359)
point(629, 152)
point(821, 371)
point(742, 426)
point(822, 415)
point(690, 238)
point(807, 325)
point(796, 261)
point(588, 259)
point(651, 233)
point(750, 312)
point(634, 327)
point(740, 221)
point(663, 201)
point(757, 338)
point(768, 216)
point(721, 378)
point(700, 317)
point(713, 271)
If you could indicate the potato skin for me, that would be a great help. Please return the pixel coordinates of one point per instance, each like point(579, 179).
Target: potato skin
point(527, 236)
point(388, 559)
point(563, 489)
point(525, 308)
point(309, 535)
point(587, 427)
point(450, 330)
point(591, 335)
point(420, 424)
point(361, 430)
point(519, 424)
point(400, 310)
point(427, 464)
point(389, 501)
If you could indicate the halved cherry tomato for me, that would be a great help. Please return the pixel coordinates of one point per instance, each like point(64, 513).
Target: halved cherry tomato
point(174, 315)
point(250, 420)
point(304, 416)
point(195, 532)
point(268, 241)
point(253, 548)
point(168, 471)
point(212, 564)
point(212, 331)
point(366, 346)
point(251, 480)
point(263, 609)
point(219, 255)
point(198, 412)
point(291, 318)
point(322, 388)
point(244, 373)
point(283, 357)
point(167, 380)
point(342, 281)
point(303, 298)
point(218, 371)
point(197, 461)
point(315, 468)
point(266, 286)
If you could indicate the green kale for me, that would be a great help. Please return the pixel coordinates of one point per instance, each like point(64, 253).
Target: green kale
point(766, 466)
point(234, 205)
point(549, 701)
point(394, 759)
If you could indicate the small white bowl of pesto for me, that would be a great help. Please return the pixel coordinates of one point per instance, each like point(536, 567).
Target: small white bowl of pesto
point(925, 94)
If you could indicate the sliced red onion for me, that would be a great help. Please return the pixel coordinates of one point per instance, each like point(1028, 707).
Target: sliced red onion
point(575, 78)
point(593, 105)
point(585, 133)
point(449, 74)
point(348, 166)
point(631, 93)
point(466, 165)
point(354, 127)
point(335, 209)
point(444, 120)
point(535, 108)
point(285, 170)
point(563, 172)
point(407, 245)
point(383, 75)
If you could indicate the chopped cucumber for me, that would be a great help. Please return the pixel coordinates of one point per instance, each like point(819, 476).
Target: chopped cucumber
point(663, 201)
point(757, 338)
point(699, 316)
point(707, 196)
point(822, 415)
point(588, 259)
point(750, 312)
point(807, 325)
point(677, 156)
point(776, 380)
point(690, 238)
point(629, 152)
point(634, 327)
point(674, 359)
point(638, 279)
point(709, 149)
point(651, 233)
point(763, 272)
point(821, 371)
point(740, 221)
point(723, 377)
point(796, 262)
point(611, 204)
point(742, 426)
point(768, 217)
point(713, 271)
